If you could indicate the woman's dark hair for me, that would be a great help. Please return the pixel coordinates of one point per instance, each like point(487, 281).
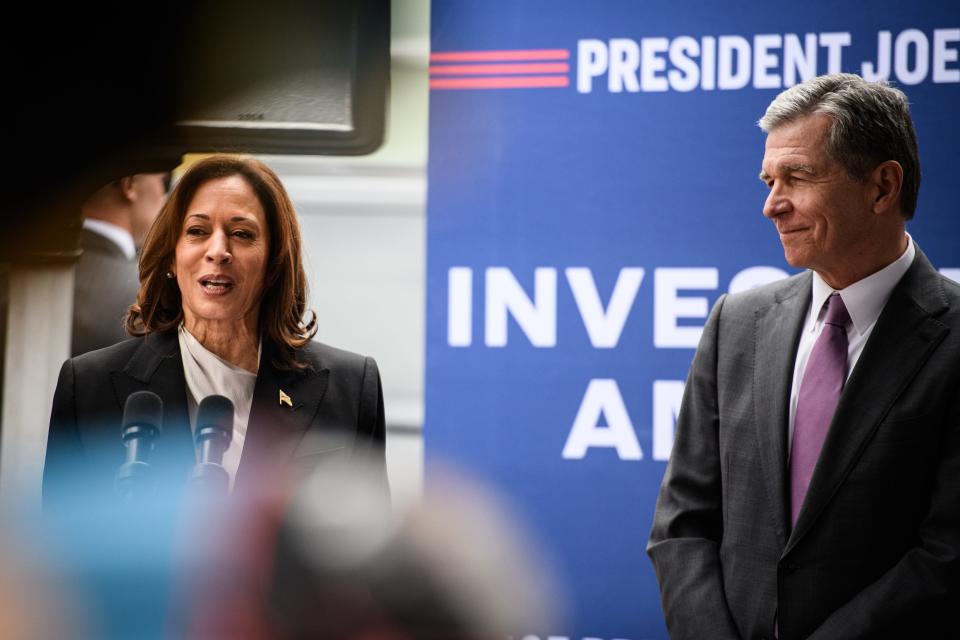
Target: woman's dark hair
point(159, 308)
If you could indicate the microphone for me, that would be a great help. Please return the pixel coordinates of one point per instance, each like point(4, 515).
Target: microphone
point(213, 435)
point(142, 417)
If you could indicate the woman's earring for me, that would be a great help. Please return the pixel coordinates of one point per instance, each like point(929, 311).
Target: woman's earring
point(170, 275)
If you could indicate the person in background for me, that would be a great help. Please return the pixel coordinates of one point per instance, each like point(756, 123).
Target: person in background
point(813, 490)
point(116, 219)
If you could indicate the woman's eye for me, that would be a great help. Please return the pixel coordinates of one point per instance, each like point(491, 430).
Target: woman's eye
point(195, 231)
point(241, 233)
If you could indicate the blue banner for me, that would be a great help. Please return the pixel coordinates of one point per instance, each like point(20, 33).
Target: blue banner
point(592, 190)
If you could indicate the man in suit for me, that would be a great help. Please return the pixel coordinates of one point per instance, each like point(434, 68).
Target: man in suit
point(116, 220)
point(813, 490)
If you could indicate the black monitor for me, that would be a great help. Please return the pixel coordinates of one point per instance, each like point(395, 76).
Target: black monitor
point(286, 78)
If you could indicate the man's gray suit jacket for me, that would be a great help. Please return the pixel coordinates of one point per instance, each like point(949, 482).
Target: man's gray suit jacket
point(875, 552)
point(105, 286)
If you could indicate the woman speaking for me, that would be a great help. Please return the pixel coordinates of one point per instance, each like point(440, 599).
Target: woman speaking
point(220, 311)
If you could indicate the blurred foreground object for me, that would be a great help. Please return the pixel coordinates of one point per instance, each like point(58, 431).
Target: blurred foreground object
point(114, 92)
point(332, 562)
point(328, 559)
point(36, 602)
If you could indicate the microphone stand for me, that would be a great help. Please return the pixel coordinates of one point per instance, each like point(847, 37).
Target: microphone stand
point(213, 436)
point(142, 417)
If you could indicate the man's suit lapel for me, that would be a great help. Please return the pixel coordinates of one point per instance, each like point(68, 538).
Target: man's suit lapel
point(905, 335)
point(156, 366)
point(275, 427)
point(778, 329)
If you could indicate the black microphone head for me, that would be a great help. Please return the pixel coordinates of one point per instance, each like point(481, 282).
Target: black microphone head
point(143, 409)
point(215, 417)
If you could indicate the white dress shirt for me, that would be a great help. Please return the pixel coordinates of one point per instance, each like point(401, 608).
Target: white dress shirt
point(208, 374)
point(864, 300)
point(117, 235)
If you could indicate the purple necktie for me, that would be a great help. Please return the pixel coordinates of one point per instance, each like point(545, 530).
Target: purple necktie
point(823, 379)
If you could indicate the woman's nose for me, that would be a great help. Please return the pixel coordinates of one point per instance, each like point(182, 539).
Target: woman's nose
point(218, 250)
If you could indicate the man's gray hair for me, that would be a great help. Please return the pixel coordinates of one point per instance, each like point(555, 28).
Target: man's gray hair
point(871, 124)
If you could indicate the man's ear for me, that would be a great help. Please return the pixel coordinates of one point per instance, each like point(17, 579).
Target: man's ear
point(127, 187)
point(887, 179)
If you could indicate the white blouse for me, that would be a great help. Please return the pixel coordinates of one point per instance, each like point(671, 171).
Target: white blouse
point(207, 374)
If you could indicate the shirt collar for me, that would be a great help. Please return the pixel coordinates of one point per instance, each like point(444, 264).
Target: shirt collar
point(864, 299)
point(117, 235)
point(198, 351)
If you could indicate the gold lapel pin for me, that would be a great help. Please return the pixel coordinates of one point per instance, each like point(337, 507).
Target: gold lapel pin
point(285, 399)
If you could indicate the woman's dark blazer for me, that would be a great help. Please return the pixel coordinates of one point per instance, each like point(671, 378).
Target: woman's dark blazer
point(334, 416)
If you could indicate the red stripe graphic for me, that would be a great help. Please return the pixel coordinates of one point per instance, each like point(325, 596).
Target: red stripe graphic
point(507, 69)
point(500, 82)
point(493, 56)
point(493, 69)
